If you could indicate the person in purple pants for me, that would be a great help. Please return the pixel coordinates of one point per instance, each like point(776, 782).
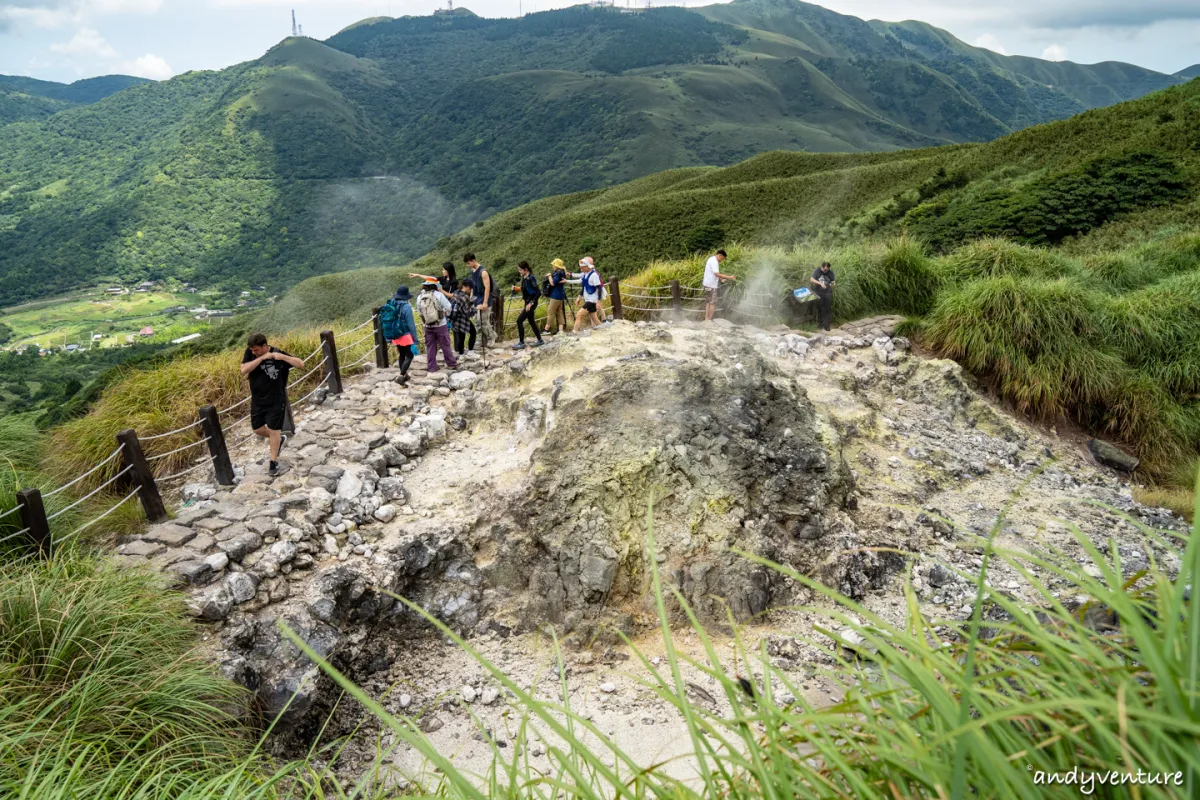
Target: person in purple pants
point(434, 309)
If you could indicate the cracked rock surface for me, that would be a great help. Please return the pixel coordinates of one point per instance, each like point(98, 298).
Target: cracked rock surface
point(514, 494)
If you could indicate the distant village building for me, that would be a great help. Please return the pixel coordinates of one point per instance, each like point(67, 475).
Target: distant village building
point(147, 331)
point(72, 348)
point(114, 290)
point(190, 337)
point(220, 314)
point(96, 337)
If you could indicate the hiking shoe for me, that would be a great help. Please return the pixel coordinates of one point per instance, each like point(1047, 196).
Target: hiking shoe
point(519, 346)
point(274, 470)
point(538, 343)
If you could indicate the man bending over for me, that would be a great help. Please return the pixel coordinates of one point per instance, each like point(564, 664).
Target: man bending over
point(267, 368)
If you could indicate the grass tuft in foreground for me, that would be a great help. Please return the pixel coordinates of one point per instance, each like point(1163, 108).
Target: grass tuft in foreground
point(1104, 676)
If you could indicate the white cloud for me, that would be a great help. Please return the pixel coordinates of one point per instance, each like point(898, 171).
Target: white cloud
point(125, 6)
point(85, 42)
point(147, 66)
point(989, 42)
point(61, 13)
point(1055, 52)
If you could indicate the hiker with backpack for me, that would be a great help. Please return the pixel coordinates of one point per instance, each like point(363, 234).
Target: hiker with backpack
point(593, 288)
point(462, 314)
point(434, 310)
point(399, 328)
point(481, 285)
point(554, 288)
point(530, 294)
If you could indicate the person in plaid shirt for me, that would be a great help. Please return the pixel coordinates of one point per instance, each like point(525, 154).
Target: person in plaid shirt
point(462, 313)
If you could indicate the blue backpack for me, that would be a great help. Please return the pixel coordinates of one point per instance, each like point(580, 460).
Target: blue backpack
point(389, 320)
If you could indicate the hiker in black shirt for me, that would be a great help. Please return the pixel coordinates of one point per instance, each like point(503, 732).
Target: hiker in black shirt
point(530, 294)
point(823, 282)
point(267, 369)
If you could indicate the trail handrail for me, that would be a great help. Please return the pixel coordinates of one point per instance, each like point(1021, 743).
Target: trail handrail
point(87, 525)
point(89, 473)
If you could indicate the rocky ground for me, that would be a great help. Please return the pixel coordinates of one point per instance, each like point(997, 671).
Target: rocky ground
point(510, 497)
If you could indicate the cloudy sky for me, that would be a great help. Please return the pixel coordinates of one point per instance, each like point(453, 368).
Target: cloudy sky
point(65, 40)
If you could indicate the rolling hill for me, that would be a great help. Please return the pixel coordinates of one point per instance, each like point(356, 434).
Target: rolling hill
point(1101, 180)
point(30, 99)
point(367, 148)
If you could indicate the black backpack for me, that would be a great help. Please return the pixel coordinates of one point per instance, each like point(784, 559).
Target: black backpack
point(547, 289)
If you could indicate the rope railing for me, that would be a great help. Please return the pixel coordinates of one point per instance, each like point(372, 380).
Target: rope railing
point(13, 510)
point(89, 473)
point(205, 463)
point(12, 536)
point(195, 424)
point(344, 348)
point(367, 355)
point(308, 374)
point(238, 404)
point(87, 525)
point(161, 456)
point(89, 495)
point(355, 328)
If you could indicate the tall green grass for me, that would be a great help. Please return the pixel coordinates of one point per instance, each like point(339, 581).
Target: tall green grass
point(1103, 675)
point(102, 693)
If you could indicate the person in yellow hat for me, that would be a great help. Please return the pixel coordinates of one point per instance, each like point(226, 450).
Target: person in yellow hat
point(556, 316)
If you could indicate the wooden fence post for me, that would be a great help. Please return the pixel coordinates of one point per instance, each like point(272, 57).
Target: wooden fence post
point(498, 315)
point(676, 297)
point(210, 423)
point(33, 517)
point(333, 372)
point(143, 476)
point(381, 345)
point(615, 289)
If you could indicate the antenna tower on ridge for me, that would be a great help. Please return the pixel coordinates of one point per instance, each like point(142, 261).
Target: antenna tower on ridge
point(294, 29)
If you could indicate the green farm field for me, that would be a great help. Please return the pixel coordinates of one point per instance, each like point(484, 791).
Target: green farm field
point(75, 318)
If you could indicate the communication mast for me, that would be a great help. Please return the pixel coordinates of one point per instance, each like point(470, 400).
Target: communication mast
point(295, 31)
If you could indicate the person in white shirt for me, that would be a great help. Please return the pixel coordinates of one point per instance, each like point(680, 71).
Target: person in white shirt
point(592, 287)
point(712, 282)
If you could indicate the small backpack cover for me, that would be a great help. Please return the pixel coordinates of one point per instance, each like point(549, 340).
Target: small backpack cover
point(389, 320)
point(431, 310)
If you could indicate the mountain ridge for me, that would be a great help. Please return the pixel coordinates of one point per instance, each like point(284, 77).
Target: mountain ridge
point(367, 148)
point(23, 98)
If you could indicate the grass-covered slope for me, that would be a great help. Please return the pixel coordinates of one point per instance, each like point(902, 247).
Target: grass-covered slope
point(1059, 263)
point(1101, 180)
point(364, 150)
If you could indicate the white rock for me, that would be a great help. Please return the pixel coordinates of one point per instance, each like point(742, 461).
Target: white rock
point(385, 513)
point(488, 696)
point(283, 552)
point(241, 587)
point(608, 688)
point(405, 700)
point(217, 561)
point(350, 486)
point(331, 545)
point(468, 694)
point(199, 491)
point(463, 380)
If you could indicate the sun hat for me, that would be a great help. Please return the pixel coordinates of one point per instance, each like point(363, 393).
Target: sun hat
point(403, 293)
point(557, 263)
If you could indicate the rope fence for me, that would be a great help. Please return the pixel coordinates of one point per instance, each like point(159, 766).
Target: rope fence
point(14, 535)
point(90, 494)
point(197, 443)
point(89, 473)
point(87, 525)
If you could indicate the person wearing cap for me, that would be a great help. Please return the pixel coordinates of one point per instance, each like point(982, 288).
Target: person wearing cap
point(558, 297)
point(448, 282)
point(434, 310)
point(592, 286)
point(530, 294)
point(406, 326)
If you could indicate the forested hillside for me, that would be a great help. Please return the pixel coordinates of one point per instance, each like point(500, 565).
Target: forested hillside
point(27, 98)
point(366, 149)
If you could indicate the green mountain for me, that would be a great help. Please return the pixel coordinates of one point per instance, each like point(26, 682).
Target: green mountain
point(366, 149)
point(1104, 179)
point(1189, 73)
point(26, 98)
